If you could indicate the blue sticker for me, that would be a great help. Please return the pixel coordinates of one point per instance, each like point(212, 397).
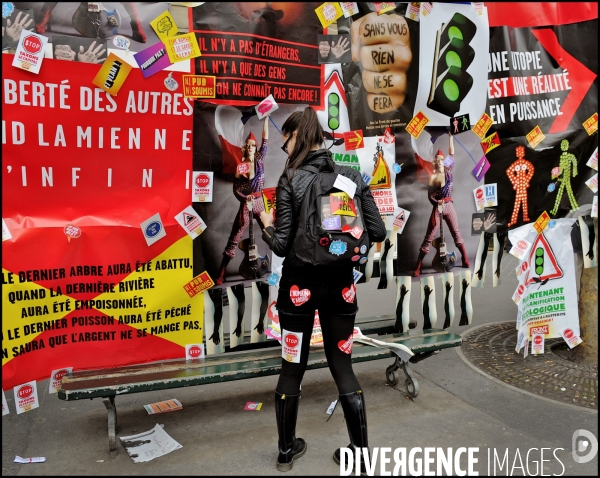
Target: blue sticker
point(552, 223)
point(363, 260)
point(7, 9)
point(338, 247)
point(332, 223)
point(363, 249)
point(396, 168)
point(153, 229)
point(273, 279)
point(551, 187)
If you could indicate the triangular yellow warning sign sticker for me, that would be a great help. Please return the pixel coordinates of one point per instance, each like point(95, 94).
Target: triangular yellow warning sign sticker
point(543, 265)
point(381, 174)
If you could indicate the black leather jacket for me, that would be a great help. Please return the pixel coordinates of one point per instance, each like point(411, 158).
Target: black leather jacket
point(280, 238)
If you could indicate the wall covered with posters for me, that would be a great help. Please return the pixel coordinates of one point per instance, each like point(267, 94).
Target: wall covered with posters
point(130, 207)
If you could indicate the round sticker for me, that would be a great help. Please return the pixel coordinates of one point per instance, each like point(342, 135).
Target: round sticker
point(324, 241)
point(355, 258)
point(153, 229)
point(552, 223)
point(551, 187)
point(195, 351)
point(363, 260)
point(363, 249)
point(7, 9)
point(356, 249)
point(396, 168)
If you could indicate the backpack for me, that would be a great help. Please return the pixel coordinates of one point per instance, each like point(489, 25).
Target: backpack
point(331, 229)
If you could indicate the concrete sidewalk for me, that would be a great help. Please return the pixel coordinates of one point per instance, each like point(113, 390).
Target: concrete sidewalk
point(456, 407)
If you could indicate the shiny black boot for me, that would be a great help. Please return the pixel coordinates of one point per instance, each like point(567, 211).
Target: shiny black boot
point(290, 447)
point(355, 413)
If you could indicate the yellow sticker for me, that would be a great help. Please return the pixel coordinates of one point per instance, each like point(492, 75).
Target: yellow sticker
point(417, 124)
point(342, 204)
point(328, 13)
point(164, 26)
point(182, 47)
point(383, 7)
point(591, 124)
point(112, 74)
point(535, 136)
point(541, 222)
point(483, 125)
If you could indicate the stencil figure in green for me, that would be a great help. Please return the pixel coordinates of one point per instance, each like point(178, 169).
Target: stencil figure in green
point(567, 164)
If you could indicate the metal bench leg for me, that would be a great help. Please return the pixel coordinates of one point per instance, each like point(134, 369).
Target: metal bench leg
point(411, 384)
point(109, 403)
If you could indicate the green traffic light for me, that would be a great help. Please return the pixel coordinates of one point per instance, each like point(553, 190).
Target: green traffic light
point(333, 111)
point(539, 261)
point(454, 32)
point(451, 90)
point(334, 99)
point(453, 59)
point(333, 123)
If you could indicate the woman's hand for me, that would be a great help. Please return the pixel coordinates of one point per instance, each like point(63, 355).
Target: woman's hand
point(266, 219)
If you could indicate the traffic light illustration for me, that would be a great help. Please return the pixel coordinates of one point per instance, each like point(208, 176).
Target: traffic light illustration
point(539, 261)
point(450, 81)
point(333, 111)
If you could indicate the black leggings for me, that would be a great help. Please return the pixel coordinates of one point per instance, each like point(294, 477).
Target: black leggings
point(336, 313)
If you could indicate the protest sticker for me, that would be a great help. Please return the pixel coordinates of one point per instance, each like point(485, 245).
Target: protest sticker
point(477, 223)
point(383, 7)
point(413, 11)
point(152, 59)
point(481, 168)
point(266, 107)
point(202, 190)
point(349, 8)
point(520, 248)
point(112, 74)
point(182, 47)
point(490, 143)
point(460, 124)
point(194, 351)
point(328, 13)
point(594, 212)
point(483, 125)
point(592, 183)
point(479, 197)
point(416, 125)
point(593, 161)
point(5, 410)
point(518, 294)
point(354, 140)
point(56, 378)
point(253, 406)
point(171, 83)
point(153, 229)
point(291, 345)
point(541, 222)
point(400, 219)
point(591, 124)
point(191, 222)
point(269, 200)
point(5, 232)
point(521, 268)
point(199, 283)
point(30, 51)
point(164, 25)
point(196, 86)
point(537, 344)
point(491, 194)
point(26, 397)
point(342, 204)
point(535, 136)
point(570, 337)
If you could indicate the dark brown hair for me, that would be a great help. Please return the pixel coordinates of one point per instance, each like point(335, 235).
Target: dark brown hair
point(309, 133)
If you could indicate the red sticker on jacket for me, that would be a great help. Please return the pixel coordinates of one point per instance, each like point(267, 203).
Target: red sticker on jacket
point(298, 296)
point(349, 293)
point(346, 345)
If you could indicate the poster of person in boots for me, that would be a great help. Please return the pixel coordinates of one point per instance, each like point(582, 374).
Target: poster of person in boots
point(441, 185)
point(247, 189)
point(96, 20)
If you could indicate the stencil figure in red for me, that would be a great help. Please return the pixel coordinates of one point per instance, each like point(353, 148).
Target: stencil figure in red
point(520, 173)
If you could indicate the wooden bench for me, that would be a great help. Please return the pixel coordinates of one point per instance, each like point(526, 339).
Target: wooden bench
point(237, 365)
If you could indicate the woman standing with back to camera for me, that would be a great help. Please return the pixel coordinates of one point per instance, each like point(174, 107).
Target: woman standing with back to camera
point(305, 287)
